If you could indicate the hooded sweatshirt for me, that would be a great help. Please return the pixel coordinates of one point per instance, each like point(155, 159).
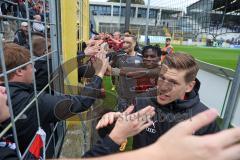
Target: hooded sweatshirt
point(169, 115)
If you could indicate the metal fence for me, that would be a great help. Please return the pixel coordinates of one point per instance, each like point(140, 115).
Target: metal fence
point(220, 90)
point(9, 23)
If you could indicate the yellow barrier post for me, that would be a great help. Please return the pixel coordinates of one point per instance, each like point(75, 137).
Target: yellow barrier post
point(75, 29)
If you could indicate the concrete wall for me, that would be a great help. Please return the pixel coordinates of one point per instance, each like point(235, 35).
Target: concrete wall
point(216, 84)
point(214, 90)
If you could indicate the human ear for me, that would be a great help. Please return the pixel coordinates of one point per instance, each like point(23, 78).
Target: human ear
point(190, 86)
point(19, 72)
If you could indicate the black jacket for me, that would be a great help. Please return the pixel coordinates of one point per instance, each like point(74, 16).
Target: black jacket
point(22, 94)
point(41, 73)
point(21, 39)
point(8, 154)
point(169, 115)
point(103, 147)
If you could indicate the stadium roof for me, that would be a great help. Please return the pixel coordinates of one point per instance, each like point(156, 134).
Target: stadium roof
point(231, 6)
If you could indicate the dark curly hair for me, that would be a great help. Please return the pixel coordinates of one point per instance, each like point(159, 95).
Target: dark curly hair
point(153, 48)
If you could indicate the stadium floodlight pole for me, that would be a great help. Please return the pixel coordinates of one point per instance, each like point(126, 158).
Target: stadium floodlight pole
point(127, 14)
point(232, 101)
point(147, 20)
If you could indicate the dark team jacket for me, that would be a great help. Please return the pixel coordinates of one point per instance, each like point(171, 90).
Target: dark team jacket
point(104, 146)
point(22, 94)
point(8, 154)
point(169, 115)
point(41, 73)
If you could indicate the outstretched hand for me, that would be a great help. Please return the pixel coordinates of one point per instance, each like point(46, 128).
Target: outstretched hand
point(128, 125)
point(219, 146)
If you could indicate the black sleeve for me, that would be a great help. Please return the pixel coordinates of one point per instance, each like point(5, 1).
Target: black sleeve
point(116, 58)
point(17, 38)
point(41, 74)
point(210, 129)
point(54, 108)
point(86, 71)
point(103, 147)
point(8, 154)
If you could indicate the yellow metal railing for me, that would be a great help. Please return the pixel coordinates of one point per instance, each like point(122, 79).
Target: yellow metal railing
point(75, 30)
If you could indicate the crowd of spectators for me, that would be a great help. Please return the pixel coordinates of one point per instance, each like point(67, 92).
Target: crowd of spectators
point(19, 8)
point(156, 89)
point(234, 41)
point(155, 93)
point(160, 94)
point(220, 42)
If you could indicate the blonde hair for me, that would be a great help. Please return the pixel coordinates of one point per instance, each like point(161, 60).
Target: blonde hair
point(182, 61)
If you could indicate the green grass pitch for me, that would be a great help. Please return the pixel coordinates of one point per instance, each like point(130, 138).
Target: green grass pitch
point(219, 56)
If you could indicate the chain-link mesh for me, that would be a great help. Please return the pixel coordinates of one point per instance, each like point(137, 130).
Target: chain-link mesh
point(14, 17)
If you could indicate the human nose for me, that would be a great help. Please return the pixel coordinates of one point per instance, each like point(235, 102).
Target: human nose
point(164, 87)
